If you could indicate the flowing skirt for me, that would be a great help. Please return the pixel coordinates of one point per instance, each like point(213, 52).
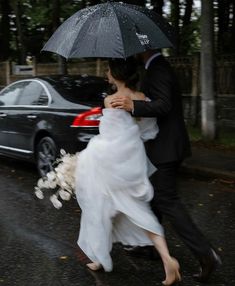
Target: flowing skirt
point(113, 189)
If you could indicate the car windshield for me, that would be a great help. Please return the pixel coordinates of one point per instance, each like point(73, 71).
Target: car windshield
point(81, 89)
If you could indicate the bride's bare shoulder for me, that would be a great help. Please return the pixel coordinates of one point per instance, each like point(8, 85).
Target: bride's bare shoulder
point(108, 100)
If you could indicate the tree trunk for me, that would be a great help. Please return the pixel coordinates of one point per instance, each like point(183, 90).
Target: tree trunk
point(195, 89)
point(55, 14)
point(188, 12)
point(175, 19)
point(186, 29)
point(223, 24)
point(21, 42)
point(208, 119)
point(158, 6)
point(233, 28)
point(55, 24)
point(5, 30)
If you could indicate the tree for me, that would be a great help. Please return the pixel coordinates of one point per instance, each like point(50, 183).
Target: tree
point(175, 20)
point(136, 2)
point(208, 72)
point(5, 34)
point(20, 42)
point(55, 24)
point(158, 6)
point(190, 29)
point(223, 23)
point(233, 28)
point(187, 13)
point(43, 17)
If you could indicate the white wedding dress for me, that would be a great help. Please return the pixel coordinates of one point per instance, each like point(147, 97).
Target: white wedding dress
point(112, 186)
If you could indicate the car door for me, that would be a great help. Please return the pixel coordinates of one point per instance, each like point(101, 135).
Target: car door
point(8, 97)
point(23, 119)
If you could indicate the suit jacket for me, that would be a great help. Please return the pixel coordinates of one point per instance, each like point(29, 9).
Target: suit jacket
point(161, 86)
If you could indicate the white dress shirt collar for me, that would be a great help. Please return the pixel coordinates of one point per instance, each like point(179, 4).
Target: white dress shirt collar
point(147, 64)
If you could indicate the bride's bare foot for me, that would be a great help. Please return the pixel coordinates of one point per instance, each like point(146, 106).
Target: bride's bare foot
point(94, 266)
point(172, 270)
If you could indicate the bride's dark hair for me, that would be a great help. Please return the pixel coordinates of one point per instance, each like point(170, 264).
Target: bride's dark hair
point(125, 70)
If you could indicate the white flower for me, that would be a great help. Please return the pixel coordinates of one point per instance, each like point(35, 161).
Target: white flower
point(51, 176)
point(56, 203)
point(66, 196)
point(52, 185)
point(60, 176)
point(67, 160)
point(41, 184)
point(73, 184)
point(46, 184)
point(64, 184)
point(39, 193)
point(63, 177)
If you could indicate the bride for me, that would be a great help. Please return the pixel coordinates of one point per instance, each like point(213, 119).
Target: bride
point(112, 185)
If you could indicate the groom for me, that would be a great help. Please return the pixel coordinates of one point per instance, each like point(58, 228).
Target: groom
point(167, 151)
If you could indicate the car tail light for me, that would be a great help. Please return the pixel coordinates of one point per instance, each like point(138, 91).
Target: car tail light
point(89, 118)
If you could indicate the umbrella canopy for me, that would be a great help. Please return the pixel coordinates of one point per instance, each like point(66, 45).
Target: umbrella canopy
point(113, 30)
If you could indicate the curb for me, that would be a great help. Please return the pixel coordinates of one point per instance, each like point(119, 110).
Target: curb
point(205, 172)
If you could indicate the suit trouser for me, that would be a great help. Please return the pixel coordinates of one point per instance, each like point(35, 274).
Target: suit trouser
point(166, 203)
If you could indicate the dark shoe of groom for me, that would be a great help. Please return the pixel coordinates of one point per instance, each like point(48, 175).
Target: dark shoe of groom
point(208, 265)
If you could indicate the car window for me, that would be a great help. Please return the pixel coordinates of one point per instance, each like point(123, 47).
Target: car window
point(31, 94)
point(86, 89)
point(86, 92)
point(43, 99)
point(10, 95)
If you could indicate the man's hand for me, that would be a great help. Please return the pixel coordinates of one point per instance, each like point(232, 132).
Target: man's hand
point(122, 102)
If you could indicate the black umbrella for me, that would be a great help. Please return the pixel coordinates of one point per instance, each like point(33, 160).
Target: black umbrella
point(112, 29)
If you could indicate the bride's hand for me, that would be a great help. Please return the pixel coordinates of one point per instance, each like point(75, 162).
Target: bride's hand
point(122, 102)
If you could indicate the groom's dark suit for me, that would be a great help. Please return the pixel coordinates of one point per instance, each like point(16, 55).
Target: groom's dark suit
point(161, 86)
point(168, 150)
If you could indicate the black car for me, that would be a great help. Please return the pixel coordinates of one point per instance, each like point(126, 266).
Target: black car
point(41, 115)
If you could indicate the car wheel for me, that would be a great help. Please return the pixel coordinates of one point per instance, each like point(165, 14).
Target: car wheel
point(46, 153)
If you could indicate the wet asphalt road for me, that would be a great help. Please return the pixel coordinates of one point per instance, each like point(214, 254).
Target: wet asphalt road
point(38, 242)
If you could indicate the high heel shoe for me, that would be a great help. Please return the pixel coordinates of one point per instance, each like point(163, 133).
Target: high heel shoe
point(94, 266)
point(172, 273)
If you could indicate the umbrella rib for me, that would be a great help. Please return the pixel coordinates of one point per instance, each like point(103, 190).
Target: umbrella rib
point(82, 28)
point(119, 30)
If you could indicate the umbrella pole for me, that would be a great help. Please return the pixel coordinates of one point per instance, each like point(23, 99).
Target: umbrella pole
point(98, 67)
point(62, 65)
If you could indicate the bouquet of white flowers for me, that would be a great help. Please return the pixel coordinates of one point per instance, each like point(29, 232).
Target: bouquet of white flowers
point(61, 179)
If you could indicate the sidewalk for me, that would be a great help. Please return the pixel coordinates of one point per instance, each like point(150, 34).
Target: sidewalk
point(210, 163)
